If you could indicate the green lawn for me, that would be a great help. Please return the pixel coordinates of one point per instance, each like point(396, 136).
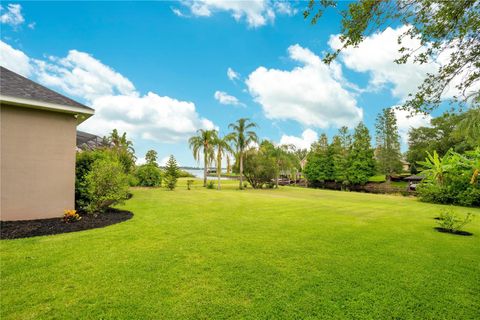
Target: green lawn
point(287, 253)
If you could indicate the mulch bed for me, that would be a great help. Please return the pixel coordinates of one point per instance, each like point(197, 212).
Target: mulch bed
point(42, 227)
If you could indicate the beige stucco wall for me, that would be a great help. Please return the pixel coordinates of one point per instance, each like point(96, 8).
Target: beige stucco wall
point(37, 163)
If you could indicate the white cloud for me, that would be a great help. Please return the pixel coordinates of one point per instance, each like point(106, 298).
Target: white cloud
point(225, 98)
point(284, 7)
point(116, 102)
point(177, 12)
point(81, 75)
point(304, 142)
point(406, 121)
point(32, 25)
point(256, 13)
point(14, 60)
point(12, 15)
point(150, 117)
point(376, 55)
point(312, 94)
point(232, 74)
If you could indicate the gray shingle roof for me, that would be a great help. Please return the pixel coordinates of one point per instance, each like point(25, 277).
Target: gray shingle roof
point(17, 86)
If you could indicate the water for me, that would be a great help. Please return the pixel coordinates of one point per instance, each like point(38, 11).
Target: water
point(198, 173)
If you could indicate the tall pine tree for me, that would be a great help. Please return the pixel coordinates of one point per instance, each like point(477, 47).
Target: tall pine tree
point(171, 173)
point(361, 164)
point(388, 143)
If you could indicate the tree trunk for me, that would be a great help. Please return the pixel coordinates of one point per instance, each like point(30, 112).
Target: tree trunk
point(219, 168)
point(241, 171)
point(205, 167)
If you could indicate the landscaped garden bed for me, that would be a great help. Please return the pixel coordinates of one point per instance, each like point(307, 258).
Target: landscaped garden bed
point(42, 227)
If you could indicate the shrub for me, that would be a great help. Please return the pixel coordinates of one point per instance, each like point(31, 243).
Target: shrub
point(84, 163)
point(450, 222)
point(210, 185)
point(148, 175)
point(451, 179)
point(70, 216)
point(171, 173)
point(107, 184)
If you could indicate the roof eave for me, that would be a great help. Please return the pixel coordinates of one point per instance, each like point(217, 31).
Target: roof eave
point(82, 113)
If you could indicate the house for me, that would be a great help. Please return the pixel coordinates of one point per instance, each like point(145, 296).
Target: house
point(405, 165)
point(88, 141)
point(37, 147)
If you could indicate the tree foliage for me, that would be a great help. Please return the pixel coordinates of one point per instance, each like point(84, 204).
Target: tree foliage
point(171, 173)
point(203, 143)
point(444, 28)
point(151, 157)
point(259, 169)
point(243, 135)
point(361, 164)
point(448, 131)
point(123, 150)
point(222, 148)
point(388, 143)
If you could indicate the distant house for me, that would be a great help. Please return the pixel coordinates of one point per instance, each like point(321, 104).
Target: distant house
point(88, 141)
point(405, 165)
point(38, 133)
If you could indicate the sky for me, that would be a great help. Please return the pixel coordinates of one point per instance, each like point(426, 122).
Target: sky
point(162, 70)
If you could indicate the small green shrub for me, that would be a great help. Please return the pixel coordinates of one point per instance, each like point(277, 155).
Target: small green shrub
point(149, 175)
point(210, 185)
point(449, 221)
point(107, 184)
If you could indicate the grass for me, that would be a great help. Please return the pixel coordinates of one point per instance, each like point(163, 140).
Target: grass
point(253, 254)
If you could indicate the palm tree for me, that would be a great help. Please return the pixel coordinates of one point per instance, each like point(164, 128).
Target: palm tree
point(242, 137)
point(203, 142)
point(223, 147)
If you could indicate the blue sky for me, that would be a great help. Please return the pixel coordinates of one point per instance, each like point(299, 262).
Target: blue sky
point(158, 70)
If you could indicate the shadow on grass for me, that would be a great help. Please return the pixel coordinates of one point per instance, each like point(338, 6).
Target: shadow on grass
point(458, 232)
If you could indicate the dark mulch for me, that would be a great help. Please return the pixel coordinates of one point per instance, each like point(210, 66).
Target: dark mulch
point(42, 227)
point(458, 232)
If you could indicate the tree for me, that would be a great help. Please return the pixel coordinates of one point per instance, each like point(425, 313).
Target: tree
point(259, 168)
point(171, 173)
point(342, 144)
point(151, 157)
point(444, 133)
point(229, 165)
point(123, 149)
point(203, 142)
point(388, 143)
point(242, 136)
point(320, 166)
point(361, 164)
point(468, 127)
point(445, 28)
point(222, 145)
